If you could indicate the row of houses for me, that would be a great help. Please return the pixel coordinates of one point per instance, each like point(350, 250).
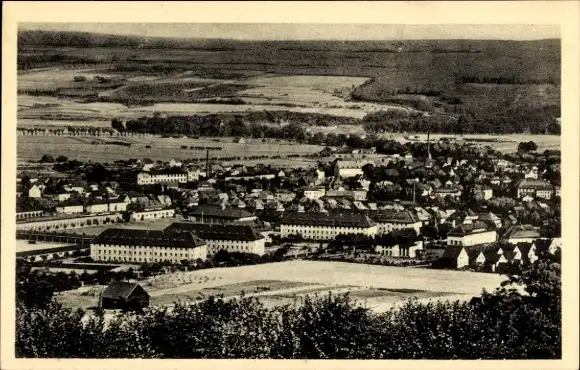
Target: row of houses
point(495, 257)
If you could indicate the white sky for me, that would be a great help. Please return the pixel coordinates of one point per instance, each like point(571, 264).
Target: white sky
point(280, 31)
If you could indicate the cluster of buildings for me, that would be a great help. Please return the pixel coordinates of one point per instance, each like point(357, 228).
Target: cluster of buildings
point(239, 208)
point(495, 257)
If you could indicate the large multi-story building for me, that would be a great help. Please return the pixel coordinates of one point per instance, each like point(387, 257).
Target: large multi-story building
point(326, 226)
point(388, 220)
point(231, 238)
point(314, 192)
point(132, 245)
point(472, 233)
point(535, 188)
point(70, 207)
point(174, 174)
point(215, 214)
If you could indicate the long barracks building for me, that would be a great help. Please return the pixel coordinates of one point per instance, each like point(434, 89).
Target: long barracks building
point(231, 238)
point(132, 245)
point(326, 226)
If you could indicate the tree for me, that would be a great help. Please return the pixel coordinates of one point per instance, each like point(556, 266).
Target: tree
point(223, 256)
point(524, 147)
point(47, 158)
point(32, 289)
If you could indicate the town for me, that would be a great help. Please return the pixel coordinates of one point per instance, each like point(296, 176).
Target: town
point(322, 191)
point(444, 204)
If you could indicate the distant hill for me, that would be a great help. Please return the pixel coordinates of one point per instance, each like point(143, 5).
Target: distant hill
point(91, 40)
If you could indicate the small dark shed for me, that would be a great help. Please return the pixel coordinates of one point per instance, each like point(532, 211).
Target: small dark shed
point(124, 295)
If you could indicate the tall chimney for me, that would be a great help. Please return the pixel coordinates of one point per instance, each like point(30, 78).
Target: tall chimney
point(428, 145)
point(207, 164)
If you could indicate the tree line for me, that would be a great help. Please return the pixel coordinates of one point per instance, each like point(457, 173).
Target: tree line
point(540, 120)
point(504, 324)
point(292, 125)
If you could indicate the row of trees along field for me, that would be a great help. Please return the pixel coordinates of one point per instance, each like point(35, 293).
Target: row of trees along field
point(283, 124)
point(518, 120)
point(506, 324)
point(213, 126)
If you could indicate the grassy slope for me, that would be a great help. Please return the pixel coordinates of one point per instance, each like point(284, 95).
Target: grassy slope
point(421, 65)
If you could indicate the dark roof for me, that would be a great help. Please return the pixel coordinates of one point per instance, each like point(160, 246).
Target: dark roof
point(452, 251)
point(491, 256)
point(217, 212)
point(29, 174)
point(489, 251)
point(535, 184)
point(95, 202)
point(120, 289)
point(148, 238)
point(473, 228)
point(473, 251)
point(392, 215)
point(340, 219)
point(525, 249)
point(167, 171)
point(216, 231)
point(446, 190)
point(522, 232)
point(69, 203)
point(134, 194)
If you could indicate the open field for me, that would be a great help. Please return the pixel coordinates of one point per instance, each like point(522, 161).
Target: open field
point(507, 143)
point(509, 86)
point(158, 224)
point(55, 109)
point(33, 147)
point(379, 287)
point(23, 246)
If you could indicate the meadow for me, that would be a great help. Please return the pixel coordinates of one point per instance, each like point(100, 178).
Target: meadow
point(32, 148)
point(338, 78)
point(379, 287)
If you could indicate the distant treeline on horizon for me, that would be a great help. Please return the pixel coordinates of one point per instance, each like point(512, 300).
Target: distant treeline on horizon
point(88, 40)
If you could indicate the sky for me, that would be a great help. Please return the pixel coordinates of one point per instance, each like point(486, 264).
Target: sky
point(262, 31)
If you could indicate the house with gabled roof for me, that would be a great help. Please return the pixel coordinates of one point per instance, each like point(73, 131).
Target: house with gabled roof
point(521, 233)
point(124, 295)
point(455, 256)
point(547, 245)
point(494, 260)
point(487, 257)
point(472, 233)
point(34, 192)
point(70, 207)
point(528, 251)
point(490, 217)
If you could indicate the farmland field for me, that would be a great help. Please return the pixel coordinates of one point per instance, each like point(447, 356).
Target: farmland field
point(379, 287)
point(507, 143)
point(33, 147)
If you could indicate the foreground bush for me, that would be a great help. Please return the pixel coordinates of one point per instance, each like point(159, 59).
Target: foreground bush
point(504, 324)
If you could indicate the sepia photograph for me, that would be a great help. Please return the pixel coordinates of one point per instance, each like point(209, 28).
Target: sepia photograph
point(274, 190)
